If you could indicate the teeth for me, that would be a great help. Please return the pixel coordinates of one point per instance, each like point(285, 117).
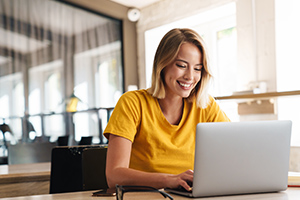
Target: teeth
point(185, 85)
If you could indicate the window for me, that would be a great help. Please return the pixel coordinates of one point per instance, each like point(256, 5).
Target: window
point(101, 84)
point(287, 44)
point(12, 102)
point(45, 88)
point(226, 53)
point(4, 105)
point(108, 81)
point(11, 95)
point(61, 51)
point(288, 70)
point(45, 96)
point(98, 86)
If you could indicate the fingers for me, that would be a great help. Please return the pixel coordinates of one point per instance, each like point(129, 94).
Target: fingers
point(188, 175)
point(180, 180)
point(187, 179)
point(186, 186)
point(190, 172)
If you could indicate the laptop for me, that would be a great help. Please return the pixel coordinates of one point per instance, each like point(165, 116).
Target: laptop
point(240, 158)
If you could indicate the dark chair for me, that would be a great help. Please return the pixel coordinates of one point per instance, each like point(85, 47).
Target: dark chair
point(63, 140)
point(3, 160)
point(30, 152)
point(67, 168)
point(86, 140)
point(93, 168)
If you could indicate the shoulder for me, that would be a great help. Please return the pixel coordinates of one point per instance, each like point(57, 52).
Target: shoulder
point(211, 106)
point(136, 95)
point(210, 103)
point(136, 99)
point(211, 100)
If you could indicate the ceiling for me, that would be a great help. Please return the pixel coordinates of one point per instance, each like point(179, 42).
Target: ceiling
point(16, 37)
point(19, 42)
point(136, 3)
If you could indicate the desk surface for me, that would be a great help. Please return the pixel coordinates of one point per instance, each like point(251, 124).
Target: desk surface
point(290, 194)
point(24, 179)
point(24, 168)
point(21, 172)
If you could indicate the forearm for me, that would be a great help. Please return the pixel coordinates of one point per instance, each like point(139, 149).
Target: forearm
point(127, 176)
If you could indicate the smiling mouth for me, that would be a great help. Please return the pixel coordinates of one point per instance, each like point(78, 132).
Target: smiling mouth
point(185, 85)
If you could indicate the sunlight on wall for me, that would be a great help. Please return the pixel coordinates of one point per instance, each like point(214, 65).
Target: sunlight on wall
point(287, 44)
point(287, 58)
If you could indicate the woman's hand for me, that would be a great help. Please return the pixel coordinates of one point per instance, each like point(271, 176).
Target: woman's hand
point(183, 180)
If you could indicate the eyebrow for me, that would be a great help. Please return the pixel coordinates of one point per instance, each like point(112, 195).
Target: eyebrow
point(201, 64)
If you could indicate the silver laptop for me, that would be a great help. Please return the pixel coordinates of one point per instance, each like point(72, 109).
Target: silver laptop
point(240, 157)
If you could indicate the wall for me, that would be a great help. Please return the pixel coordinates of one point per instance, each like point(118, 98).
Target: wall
point(256, 42)
point(118, 11)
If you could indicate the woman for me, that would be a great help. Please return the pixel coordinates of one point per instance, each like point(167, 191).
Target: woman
point(152, 132)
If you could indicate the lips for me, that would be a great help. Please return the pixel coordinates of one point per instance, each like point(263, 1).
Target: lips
point(185, 85)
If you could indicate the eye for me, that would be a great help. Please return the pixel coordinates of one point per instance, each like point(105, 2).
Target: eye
point(199, 68)
point(181, 66)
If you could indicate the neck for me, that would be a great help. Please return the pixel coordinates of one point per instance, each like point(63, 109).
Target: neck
point(172, 109)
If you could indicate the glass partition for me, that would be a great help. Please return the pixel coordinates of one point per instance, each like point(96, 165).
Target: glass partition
point(55, 53)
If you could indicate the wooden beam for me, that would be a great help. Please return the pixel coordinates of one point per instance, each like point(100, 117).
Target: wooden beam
point(260, 95)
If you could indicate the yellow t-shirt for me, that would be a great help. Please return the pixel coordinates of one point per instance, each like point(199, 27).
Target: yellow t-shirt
point(158, 146)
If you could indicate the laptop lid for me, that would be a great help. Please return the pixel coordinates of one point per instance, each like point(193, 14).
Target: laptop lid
point(241, 157)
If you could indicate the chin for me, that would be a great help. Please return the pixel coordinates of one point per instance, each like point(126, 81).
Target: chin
point(186, 95)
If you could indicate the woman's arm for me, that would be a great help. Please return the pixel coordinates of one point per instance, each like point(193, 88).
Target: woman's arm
point(118, 171)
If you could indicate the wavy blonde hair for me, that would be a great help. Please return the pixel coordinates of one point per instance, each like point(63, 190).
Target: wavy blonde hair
point(167, 52)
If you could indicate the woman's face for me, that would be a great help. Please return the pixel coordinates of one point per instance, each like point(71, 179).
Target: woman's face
point(183, 74)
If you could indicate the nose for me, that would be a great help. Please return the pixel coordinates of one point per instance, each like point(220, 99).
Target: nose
point(188, 75)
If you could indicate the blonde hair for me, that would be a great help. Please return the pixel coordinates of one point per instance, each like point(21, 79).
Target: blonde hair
point(167, 52)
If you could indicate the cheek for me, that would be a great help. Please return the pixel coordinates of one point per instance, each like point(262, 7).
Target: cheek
point(198, 77)
point(175, 74)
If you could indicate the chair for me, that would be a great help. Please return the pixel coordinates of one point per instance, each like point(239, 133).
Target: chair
point(3, 160)
point(86, 140)
point(23, 153)
point(66, 168)
point(63, 140)
point(93, 168)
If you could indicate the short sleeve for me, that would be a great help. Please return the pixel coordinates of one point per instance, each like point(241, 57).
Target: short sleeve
point(215, 113)
point(125, 118)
